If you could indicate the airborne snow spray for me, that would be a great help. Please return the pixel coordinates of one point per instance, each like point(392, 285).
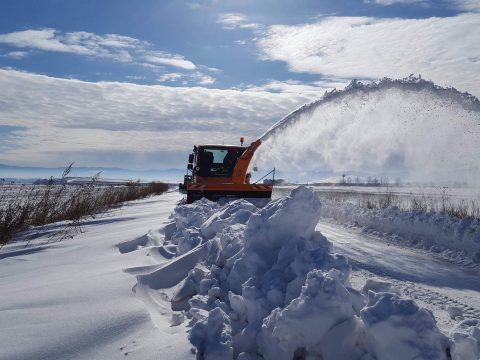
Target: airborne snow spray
point(408, 128)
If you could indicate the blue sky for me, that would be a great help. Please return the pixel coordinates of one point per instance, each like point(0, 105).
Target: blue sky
point(193, 30)
point(134, 84)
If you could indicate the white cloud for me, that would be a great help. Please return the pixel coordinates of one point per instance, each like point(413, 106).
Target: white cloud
point(313, 89)
point(232, 21)
point(462, 5)
point(73, 117)
point(196, 77)
point(110, 46)
point(170, 77)
point(16, 54)
point(135, 77)
point(36, 39)
point(466, 5)
point(393, 2)
point(79, 43)
point(210, 69)
point(442, 49)
point(161, 58)
point(203, 79)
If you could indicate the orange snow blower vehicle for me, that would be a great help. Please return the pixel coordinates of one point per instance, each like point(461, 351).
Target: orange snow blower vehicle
point(220, 171)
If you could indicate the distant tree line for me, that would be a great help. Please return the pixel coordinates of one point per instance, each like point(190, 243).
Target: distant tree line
point(369, 181)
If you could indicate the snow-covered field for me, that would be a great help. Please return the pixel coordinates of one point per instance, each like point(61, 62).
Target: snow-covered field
point(218, 282)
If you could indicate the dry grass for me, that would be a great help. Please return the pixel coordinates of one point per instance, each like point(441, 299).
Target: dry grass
point(440, 204)
point(26, 206)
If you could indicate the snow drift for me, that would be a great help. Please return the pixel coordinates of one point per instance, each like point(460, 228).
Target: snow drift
point(408, 128)
point(430, 230)
point(261, 283)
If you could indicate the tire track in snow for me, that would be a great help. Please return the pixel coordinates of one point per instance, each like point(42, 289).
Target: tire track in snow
point(436, 300)
point(437, 285)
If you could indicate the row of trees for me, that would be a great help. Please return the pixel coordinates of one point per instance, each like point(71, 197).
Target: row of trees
point(370, 180)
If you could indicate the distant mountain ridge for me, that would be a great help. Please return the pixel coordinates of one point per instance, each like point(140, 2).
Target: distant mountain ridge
point(24, 172)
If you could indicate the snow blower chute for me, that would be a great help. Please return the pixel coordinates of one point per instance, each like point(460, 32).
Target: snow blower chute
point(220, 171)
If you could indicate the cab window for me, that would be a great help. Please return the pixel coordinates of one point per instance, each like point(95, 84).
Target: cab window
point(217, 162)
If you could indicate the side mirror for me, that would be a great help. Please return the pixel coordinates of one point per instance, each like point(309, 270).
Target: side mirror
point(190, 158)
point(190, 166)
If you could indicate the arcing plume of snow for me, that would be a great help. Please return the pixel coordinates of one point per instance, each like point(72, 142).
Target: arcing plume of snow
point(263, 284)
point(407, 128)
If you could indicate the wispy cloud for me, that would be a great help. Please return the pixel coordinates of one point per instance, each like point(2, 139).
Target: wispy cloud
point(395, 2)
point(461, 5)
point(231, 21)
point(170, 77)
point(111, 46)
point(312, 89)
point(162, 58)
point(442, 49)
point(114, 47)
point(16, 54)
point(73, 117)
point(466, 5)
point(203, 79)
point(195, 77)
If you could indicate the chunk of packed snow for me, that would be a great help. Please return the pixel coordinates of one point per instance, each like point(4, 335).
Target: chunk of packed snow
point(398, 329)
point(212, 336)
point(377, 286)
point(236, 212)
point(454, 312)
point(322, 304)
point(466, 337)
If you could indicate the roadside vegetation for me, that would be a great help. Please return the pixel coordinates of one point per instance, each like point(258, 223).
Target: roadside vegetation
point(443, 203)
point(24, 207)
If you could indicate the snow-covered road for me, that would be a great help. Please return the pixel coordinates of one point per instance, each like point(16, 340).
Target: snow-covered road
point(433, 283)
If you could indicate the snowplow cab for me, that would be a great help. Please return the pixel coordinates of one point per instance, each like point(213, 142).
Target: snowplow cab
point(220, 171)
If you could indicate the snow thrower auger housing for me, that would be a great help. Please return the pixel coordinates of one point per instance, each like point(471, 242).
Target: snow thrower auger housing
point(220, 171)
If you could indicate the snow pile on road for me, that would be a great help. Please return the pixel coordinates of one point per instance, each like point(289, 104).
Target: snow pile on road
point(432, 231)
point(263, 284)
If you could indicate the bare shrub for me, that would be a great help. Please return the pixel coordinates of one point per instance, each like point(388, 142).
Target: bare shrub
point(458, 210)
point(475, 209)
point(368, 201)
point(419, 204)
point(386, 200)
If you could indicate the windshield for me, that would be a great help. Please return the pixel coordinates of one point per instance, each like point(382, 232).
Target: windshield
point(218, 162)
